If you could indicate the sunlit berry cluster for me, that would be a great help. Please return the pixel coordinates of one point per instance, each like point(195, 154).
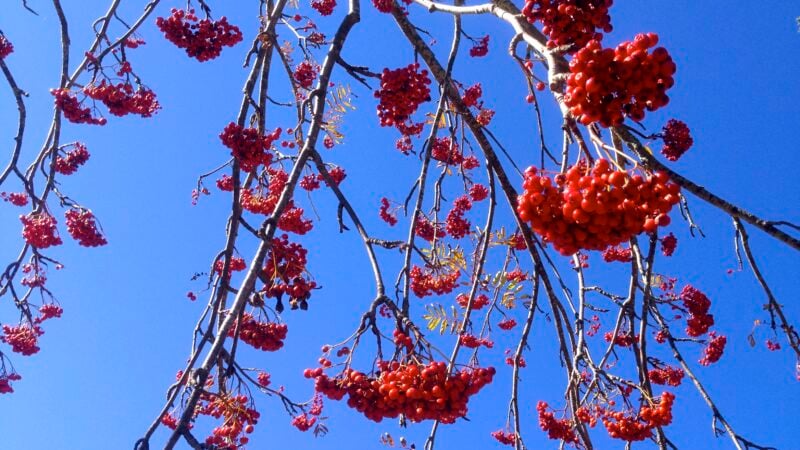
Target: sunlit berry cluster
point(72, 160)
point(237, 416)
point(69, 105)
point(677, 139)
point(455, 223)
point(594, 208)
point(265, 336)
point(638, 428)
point(507, 324)
point(447, 151)
point(386, 6)
point(39, 230)
point(430, 282)
point(385, 214)
point(478, 192)
point(202, 39)
point(713, 351)
point(23, 339)
point(505, 438)
point(570, 22)
point(305, 73)
point(49, 311)
point(82, 227)
point(622, 339)
point(472, 341)
point(419, 392)
point(248, 146)
point(15, 198)
point(5, 382)
point(480, 48)
point(324, 7)
point(477, 303)
point(667, 375)
point(668, 244)
point(121, 99)
point(35, 275)
point(402, 91)
point(428, 230)
point(618, 254)
point(237, 264)
point(561, 429)
point(606, 85)
point(697, 304)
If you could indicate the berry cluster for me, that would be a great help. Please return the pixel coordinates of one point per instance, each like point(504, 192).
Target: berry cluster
point(265, 336)
point(202, 39)
point(306, 72)
point(285, 269)
point(618, 254)
point(6, 47)
point(419, 392)
point(622, 339)
point(480, 48)
point(22, 338)
point(237, 264)
point(697, 304)
point(248, 145)
point(69, 105)
point(472, 341)
point(455, 223)
point(402, 91)
point(472, 95)
point(507, 324)
point(713, 351)
point(34, 275)
point(668, 244)
point(478, 303)
point(6, 379)
point(606, 85)
point(447, 151)
point(82, 227)
point(428, 230)
point(49, 311)
point(478, 192)
point(72, 160)
point(121, 100)
point(556, 428)
point(594, 208)
point(386, 6)
point(387, 216)
point(505, 438)
point(39, 230)
point(15, 198)
point(430, 282)
point(324, 7)
point(237, 417)
point(677, 139)
point(666, 375)
point(570, 22)
point(633, 428)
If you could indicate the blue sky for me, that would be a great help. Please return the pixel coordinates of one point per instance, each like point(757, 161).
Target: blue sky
point(101, 375)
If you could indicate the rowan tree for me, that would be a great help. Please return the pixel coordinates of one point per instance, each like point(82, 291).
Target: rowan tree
point(563, 247)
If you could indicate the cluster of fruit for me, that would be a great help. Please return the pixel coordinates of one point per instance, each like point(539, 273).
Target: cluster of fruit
point(202, 39)
point(570, 22)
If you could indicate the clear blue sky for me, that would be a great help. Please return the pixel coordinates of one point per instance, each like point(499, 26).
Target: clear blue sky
point(101, 376)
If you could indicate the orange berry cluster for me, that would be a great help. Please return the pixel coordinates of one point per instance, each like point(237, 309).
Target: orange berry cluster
point(594, 208)
point(266, 336)
point(697, 304)
point(638, 428)
point(666, 375)
point(477, 303)
point(419, 392)
point(425, 283)
point(570, 22)
point(402, 91)
point(556, 428)
point(238, 417)
point(607, 85)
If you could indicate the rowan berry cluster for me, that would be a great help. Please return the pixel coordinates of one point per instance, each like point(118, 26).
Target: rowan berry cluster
point(402, 340)
point(324, 7)
point(638, 428)
point(69, 105)
point(419, 392)
point(617, 254)
point(309, 182)
point(133, 42)
point(624, 339)
point(677, 139)
point(713, 351)
point(387, 216)
point(49, 311)
point(697, 304)
point(386, 6)
point(505, 438)
point(82, 227)
point(561, 429)
point(306, 72)
point(430, 282)
point(285, 269)
point(447, 151)
point(237, 264)
point(72, 160)
point(773, 346)
point(516, 276)
point(428, 230)
point(455, 223)
point(5, 382)
point(201, 39)
point(237, 417)
point(477, 303)
point(570, 22)
point(121, 99)
point(607, 85)
point(402, 91)
point(480, 48)
point(264, 379)
point(15, 198)
point(248, 146)
point(34, 275)
point(668, 244)
point(265, 336)
point(22, 338)
point(592, 209)
point(472, 341)
point(6, 47)
point(507, 324)
point(667, 375)
point(39, 230)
